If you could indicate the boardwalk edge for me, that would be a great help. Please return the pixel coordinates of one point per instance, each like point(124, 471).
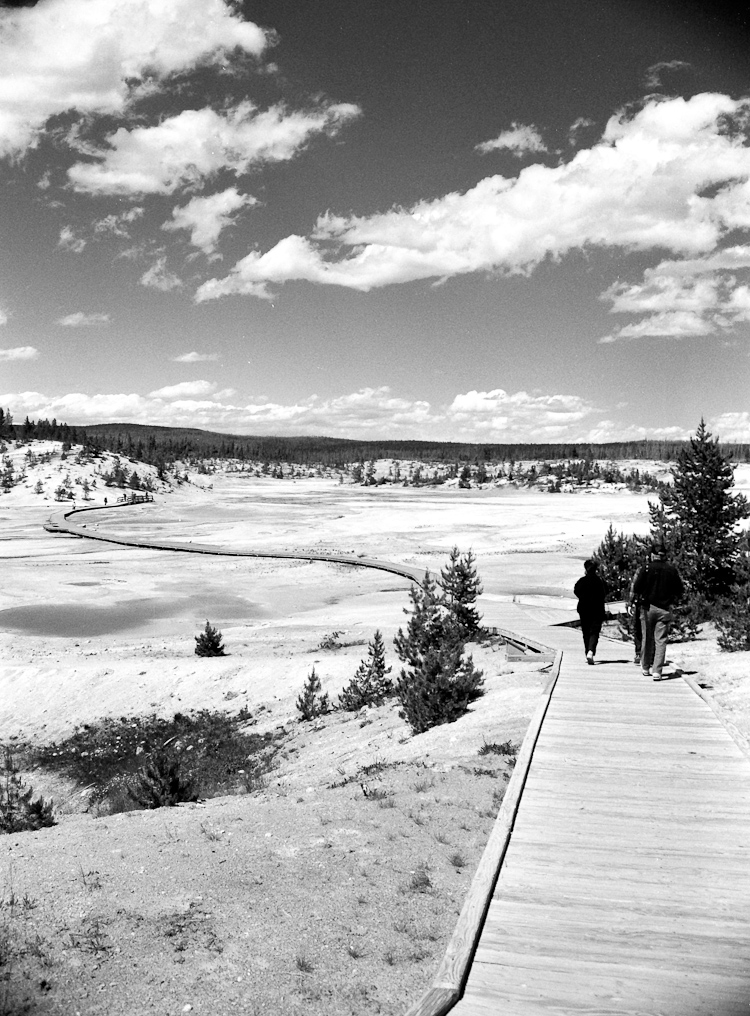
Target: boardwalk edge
point(450, 980)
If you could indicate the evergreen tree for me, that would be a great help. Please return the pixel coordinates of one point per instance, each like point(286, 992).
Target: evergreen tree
point(19, 811)
point(461, 587)
point(619, 557)
point(311, 703)
point(208, 643)
point(438, 683)
point(371, 685)
point(698, 516)
point(733, 618)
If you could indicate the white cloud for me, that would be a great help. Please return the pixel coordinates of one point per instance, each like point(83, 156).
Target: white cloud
point(119, 225)
point(184, 388)
point(643, 186)
point(494, 413)
point(81, 320)
point(653, 78)
point(195, 144)
point(196, 357)
point(18, 353)
point(159, 277)
point(696, 296)
point(370, 412)
point(207, 217)
point(731, 426)
point(95, 56)
point(69, 241)
point(520, 138)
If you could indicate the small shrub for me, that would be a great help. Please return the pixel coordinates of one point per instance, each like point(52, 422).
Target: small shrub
point(19, 812)
point(507, 748)
point(311, 703)
point(303, 964)
point(208, 643)
point(458, 860)
point(370, 686)
point(420, 881)
point(160, 783)
point(331, 641)
point(438, 690)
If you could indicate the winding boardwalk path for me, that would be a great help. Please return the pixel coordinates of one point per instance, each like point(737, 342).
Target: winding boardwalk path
point(616, 881)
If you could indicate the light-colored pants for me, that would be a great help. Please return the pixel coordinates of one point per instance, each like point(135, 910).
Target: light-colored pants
point(655, 623)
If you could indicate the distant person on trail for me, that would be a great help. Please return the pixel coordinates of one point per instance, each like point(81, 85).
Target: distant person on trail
point(658, 586)
point(590, 591)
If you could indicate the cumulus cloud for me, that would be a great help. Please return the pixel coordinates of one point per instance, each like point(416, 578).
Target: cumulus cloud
point(184, 389)
point(370, 412)
point(158, 276)
point(95, 57)
point(519, 139)
point(196, 357)
point(81, 320)
point(687, 169)
point(682, 298)
point(195, 144)
point(69, 241)
point(494, 413)
point(18, 353)
point(731, 426)
point(206, 217)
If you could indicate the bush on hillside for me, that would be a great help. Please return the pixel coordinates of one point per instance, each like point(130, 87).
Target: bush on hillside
point(311, 704)
point(371, 685)
point(438, 683)
point(19, 811)
point(208, 643)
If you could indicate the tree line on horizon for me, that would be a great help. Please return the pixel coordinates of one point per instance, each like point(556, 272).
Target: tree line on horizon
point(162, 446)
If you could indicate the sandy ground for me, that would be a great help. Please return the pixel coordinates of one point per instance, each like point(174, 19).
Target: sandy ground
point(301, 897)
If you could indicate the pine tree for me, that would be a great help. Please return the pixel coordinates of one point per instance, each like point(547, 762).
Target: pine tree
point(18, 809)
point(371, 685)
point(311, 703)
point(438, 684)
point(698, 516)
point(208, 643)
point(461, 587)
point(733, 618)
point(619, 557)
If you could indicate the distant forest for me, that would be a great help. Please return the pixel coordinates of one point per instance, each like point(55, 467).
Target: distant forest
point(162, 446)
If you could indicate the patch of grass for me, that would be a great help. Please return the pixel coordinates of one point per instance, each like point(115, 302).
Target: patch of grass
point(356, 952)
point(507, 749)
point(378, 794)
point(329, 642)
point(420, 880)
point(303, 964)
point(458, 860)
point(387, 802)
point(203, 754)
point(442, 838)
point(389, 957)
point(422, 785)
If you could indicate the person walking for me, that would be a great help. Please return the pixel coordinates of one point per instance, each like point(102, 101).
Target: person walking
point(659, 586)
point(590, 591)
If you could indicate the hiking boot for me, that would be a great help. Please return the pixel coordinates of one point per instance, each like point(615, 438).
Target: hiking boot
point(590, 658)
point(646, 673)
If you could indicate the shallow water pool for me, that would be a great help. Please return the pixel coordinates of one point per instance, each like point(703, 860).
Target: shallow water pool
point(82, 620)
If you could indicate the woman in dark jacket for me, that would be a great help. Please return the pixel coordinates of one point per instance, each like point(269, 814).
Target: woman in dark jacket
point(590, 591)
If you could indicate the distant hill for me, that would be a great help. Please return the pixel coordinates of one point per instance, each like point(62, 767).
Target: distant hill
point(163, 445)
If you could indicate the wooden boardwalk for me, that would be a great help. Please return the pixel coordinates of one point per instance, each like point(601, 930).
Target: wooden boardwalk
point(625, 884)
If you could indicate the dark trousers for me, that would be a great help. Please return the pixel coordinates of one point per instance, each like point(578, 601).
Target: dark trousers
point(655, 623)
point(590, 628)
point(637, 631)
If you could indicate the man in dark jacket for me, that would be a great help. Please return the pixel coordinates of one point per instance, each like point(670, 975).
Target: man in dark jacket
point(590, 591)
point(658, 586)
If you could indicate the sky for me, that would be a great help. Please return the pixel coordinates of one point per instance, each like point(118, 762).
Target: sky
point(467, 220)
